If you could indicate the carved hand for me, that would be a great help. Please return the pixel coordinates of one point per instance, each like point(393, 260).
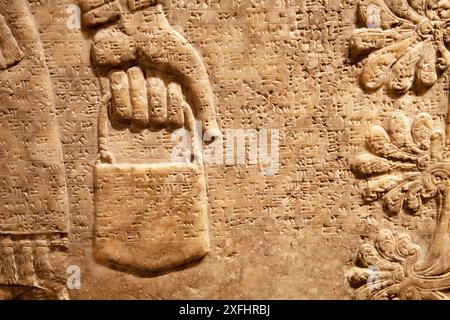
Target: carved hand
point(145, 45)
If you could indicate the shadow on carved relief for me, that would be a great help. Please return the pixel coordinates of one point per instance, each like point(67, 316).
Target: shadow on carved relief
point(150, 218)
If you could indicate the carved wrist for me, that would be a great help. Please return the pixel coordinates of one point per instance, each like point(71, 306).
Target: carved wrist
point(99, 12)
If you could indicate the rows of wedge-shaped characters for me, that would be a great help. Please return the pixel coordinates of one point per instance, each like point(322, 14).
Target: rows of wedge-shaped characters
point(34, 204)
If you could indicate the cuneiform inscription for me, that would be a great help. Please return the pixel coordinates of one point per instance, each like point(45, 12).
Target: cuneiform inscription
point(150, 217)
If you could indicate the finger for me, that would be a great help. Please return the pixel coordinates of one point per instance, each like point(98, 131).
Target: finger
point(138, 97)
point(194, 71)
point(121, 104)
point(157, 99)
point(175, 106)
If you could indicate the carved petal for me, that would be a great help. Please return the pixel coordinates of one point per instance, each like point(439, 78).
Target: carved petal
point(365, 39)
point(419, 6)
point(426, 68)
point(405, 247)
point(437, 145)
point(444, 56)
point(368, 164)
point(387, 293)
point(421, 130)
point(399, 130)
point(376, 67)
point(378, 186)
point(402, 9)
point(379, 143)
point(393, 201)
point(370, 258)
point(387, 245)
point(413, 200)
point(361, 276)
point(403, 71)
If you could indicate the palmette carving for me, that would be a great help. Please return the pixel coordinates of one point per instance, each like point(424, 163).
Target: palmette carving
point(407, 44)
point(150, 218)
point(382, 267)
point(401, 162)
point(405, 166)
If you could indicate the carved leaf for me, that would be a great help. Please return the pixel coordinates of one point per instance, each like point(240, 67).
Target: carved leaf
point(402, 9)
point(386, 245)
point(419, 6)
point(368, 164)
point(413, 200)
point(361, 276)
point(406, 248)
point(364, 39)
point(383, 266)
point(378, 186)
point(397, 61)
point(379, 143)
point(437, 145)
point(399, 130)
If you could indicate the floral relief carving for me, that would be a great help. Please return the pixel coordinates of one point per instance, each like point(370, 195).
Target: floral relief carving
point(404, 166)
point(406, 43)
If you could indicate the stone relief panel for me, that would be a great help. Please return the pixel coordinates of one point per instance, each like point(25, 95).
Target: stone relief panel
point(350, 96)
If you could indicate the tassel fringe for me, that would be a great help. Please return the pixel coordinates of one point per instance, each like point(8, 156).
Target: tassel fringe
point(23, 261)
point(26, 267)
point(9, 268)
point(42, 257)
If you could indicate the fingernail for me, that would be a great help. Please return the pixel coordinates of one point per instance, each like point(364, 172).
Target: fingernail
point(155, 82)
point(135, 73)
point(117, 77)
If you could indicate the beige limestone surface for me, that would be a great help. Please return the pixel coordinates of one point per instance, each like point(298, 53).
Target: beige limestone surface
point(224, 149)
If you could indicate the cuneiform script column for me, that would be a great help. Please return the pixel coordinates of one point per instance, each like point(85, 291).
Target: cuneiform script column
point(33, 195)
